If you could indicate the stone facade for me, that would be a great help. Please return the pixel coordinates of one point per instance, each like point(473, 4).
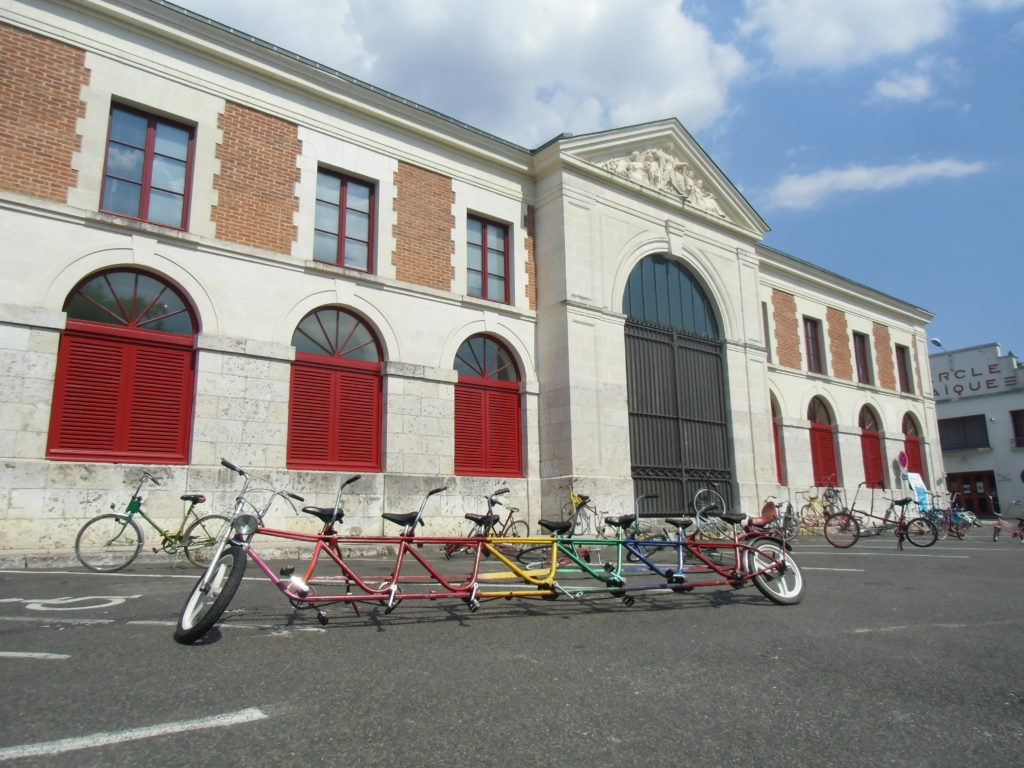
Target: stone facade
point(581, 213)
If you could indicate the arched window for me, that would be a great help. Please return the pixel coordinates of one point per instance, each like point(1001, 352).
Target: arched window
point(823, 450)
point(125, 382)
point(912, 444)
point(334, 411)
point(488, 429)
point(871, 449)
point(780, 472)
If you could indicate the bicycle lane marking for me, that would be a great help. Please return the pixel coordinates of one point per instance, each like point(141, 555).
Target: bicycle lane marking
point(106, 738)
point(33, 655)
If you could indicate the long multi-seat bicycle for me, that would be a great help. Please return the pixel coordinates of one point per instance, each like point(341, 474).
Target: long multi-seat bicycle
point(489, 572)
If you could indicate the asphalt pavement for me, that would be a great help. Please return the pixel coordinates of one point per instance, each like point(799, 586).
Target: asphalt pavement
point(893, 658)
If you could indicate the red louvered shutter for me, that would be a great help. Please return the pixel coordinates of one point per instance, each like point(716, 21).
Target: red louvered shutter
point(334, 417)
point(121, 400)
point(823, 456)
point(780, 474)
point(470, 430)
point(488, 432)
point(912, 447)
point(871, 450)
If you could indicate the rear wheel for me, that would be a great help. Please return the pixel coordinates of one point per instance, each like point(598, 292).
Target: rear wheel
point(841, 530)
point(206, 603)
point(781, 580)
point(708, 501)
point(921, 532)
point(518, 529)
point(995, 532)
point(108, 543)
point(203, 536)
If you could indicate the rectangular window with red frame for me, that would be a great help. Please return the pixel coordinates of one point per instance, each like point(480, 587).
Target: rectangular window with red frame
point(344, 221)
point(148, 170)
point(487, 260)
point(862, 356)
point(1017, 419)
point(903, 369)
point(813, 345)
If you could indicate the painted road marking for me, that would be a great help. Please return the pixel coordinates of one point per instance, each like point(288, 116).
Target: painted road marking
point(65, 603)
point(105, 738)
point(31, 655)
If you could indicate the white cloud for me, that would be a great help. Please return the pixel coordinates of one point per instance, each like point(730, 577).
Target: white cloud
point(904, 86)
point(807, 191)
point(834, 34)
point(524, 70)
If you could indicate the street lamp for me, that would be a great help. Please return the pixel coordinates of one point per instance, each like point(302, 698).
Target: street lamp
point(938, 343)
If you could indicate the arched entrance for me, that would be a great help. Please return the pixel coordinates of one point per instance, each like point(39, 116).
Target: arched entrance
point(675, 374)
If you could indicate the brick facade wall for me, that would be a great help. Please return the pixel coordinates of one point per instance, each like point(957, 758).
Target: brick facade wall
point(884, 364)
point(40, 87)
point(256, 200)
point(531, 259)
point(839, 344)
point(423, 230)
point(787, 329)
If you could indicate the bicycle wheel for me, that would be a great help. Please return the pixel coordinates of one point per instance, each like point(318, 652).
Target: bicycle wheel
point(517, 529)
point(205, 606)
point(781, 581)
point(108, 543)
point(789, 525)
point(202, 536)
point(841, 530)
point(959, 528)
point(921, 532)
point(810, 519)
point(536, 556)
point(995, 532)
point(714, 528)
point(706, 500)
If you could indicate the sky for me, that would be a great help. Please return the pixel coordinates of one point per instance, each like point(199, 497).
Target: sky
point(882, 140)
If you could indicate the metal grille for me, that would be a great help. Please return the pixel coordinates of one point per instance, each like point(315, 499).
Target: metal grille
point(679, 437)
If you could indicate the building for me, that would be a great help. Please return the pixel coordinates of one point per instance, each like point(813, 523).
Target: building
point(216, 248)
point(979, 400)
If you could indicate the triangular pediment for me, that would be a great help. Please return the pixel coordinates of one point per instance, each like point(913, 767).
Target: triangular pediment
point(665, 159)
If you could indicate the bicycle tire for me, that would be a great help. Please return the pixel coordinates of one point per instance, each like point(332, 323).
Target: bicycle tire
point(960, 529)
point(202, 536)
point(108, 543)
point(995, 532)
point(535, 556)
point(841, 530)
point(811, 519)
point(785, 587)
point(708, 500)
point(789, 525)
point(580, 517)
point(517, 529)
point(714, 528)
point(203, 608)
point(921, 532)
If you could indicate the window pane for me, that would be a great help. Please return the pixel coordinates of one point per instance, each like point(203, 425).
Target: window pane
point(328, 188)
point(165, 208)
point(496, 288)
point(125, 162)
point(474, 258)
point(169, 174)
point(357, 256)
point(476, 283)
point(358, 198)
point(171, 141)
point(496, 263)
point(326, 217)
point(357, 225)
point(476, 231)
point(496, 236)
point(128, 128)
point(121, 197)
point(325, 247)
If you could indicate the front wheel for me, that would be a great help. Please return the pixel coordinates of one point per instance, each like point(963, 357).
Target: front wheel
point(774, 572)
point(206, 604)
point(108, 543)
point(995, 532)
point(841, 530)
point(517, 529)
point(203, 536)
point(921, 532)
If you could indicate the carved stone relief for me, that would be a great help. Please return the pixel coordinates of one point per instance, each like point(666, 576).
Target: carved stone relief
point(662, 170)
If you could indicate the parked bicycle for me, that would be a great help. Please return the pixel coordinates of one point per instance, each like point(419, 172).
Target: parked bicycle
point(1015, 529)
point(490, 524)
point(112, 541)
point(843, 529)
point(951, 517)
point(583, 513)
point(709, 512)
point(817, 507)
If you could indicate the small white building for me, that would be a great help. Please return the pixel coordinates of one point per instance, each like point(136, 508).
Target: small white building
point(979, 399)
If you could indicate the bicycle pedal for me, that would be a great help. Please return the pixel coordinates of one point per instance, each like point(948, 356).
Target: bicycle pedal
point(286, 571)
point(609, 567)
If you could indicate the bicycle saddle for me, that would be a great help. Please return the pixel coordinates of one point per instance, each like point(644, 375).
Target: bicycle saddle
point(324, 513)
point(621, 521)
point(404, 519)
point(902, 502)
point(484, 520)
point(556, 526)
point(679, 522)
point(195, 498)
point(769, 512)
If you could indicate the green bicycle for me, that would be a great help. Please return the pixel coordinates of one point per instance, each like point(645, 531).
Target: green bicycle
point(112, 541)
